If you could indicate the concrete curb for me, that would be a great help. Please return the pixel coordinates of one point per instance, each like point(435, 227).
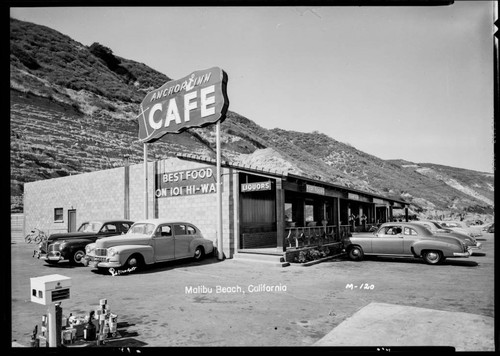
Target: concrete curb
point(381, 324)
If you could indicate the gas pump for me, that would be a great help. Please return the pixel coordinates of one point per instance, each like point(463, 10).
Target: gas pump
point(51, 290)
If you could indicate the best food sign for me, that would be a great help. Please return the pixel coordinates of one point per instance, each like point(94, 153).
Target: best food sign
point(196, 100)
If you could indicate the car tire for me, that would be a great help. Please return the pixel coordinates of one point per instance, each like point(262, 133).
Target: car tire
point(355, 253)
point(432, 257)
point(199, 253)
point(134, 261)
point(77, 257)
point(51, 262)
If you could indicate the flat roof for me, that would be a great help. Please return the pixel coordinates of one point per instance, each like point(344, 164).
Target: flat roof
point(283, 174)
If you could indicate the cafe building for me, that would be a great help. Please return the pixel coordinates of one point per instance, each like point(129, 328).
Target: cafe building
point(259, 211)
point(264, 212)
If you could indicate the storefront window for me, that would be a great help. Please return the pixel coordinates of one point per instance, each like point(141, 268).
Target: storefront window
point(288, 212)
point(309, 212)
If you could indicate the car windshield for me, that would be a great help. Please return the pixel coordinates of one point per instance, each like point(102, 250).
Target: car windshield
point(91, 226)
point(142, 228)
point(437, 225)
point(429, 226)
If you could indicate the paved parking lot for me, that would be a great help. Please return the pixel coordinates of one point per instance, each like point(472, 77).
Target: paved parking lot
point(235, 303)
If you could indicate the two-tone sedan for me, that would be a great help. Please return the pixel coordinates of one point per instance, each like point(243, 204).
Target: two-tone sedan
point(436, 228)
point(148, 242)
point(406, 239)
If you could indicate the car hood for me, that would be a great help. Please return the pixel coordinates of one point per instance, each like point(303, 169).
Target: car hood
point(70, 235)
point(460, 229)
point(76, 240)
point(126, 239)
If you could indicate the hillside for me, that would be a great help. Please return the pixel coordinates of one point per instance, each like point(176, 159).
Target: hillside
point(74, 107)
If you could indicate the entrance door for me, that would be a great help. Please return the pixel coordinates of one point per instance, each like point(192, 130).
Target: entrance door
point(71, 220)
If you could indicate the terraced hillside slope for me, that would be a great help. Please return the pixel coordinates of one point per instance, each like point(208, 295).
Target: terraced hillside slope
point(74, 108)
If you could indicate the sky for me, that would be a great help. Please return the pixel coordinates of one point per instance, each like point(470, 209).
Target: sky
point(412, 83)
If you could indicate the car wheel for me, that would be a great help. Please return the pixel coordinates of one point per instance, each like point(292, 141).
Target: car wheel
point(355, 253)
point(77, 257)
point(199, 253)
point(432, 257)
point(134, 261)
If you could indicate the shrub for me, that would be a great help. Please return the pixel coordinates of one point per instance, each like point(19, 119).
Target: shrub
point(313, 254)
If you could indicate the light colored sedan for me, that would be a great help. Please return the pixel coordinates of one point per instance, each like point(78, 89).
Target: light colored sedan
point(461, 226)
point(406, 240)
point(147, 242)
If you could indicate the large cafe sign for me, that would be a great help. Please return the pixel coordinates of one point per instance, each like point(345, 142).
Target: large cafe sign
point(196, 100)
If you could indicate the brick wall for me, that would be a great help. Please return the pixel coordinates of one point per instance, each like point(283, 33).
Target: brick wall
point(17, 227)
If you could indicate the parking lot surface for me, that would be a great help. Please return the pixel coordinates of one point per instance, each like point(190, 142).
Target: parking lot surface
point(236, 303)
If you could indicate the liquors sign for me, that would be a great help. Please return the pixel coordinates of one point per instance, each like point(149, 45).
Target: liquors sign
point(255, 187)
point(196, 100)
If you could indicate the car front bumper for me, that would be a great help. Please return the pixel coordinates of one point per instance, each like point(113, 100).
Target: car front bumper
point(98, 262)
point(51, 256)
point(462, 254)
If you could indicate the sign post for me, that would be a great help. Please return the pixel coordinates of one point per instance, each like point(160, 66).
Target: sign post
point(146, 212)
point(220, 254)
point(197, 100)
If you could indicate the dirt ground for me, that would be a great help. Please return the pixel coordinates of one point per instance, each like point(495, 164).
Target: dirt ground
point(179, 303)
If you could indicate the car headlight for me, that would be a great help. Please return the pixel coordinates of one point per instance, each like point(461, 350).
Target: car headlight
point(89, 248)
point(112, 252)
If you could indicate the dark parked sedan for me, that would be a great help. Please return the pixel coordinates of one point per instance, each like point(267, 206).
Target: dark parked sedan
point(70, 246)
point(406, 239)
point(491, 229)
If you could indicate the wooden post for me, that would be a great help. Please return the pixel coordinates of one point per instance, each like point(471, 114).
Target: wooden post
point(236, 212)
point(338, 218)
point(280, 214)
